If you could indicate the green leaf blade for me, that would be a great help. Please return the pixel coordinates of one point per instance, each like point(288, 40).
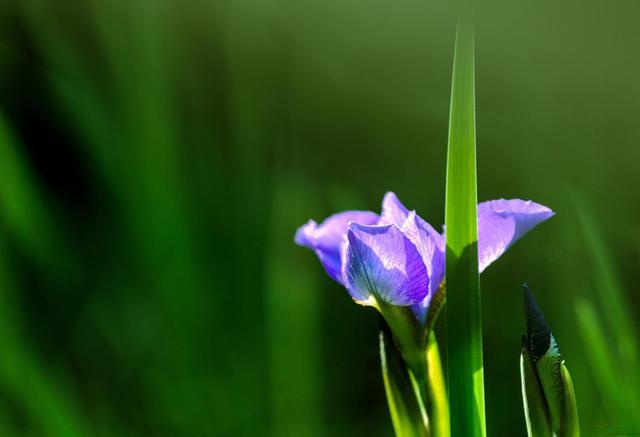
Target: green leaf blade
point(464, 326)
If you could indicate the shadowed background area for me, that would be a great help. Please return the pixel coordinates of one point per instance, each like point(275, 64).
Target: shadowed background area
point(156, 158)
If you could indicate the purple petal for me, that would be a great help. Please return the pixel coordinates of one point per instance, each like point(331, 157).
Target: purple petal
point(382, 264)
point(304, 234)
point(393, 211)
point(328, 238)
point(502, 222)
point(431, 246)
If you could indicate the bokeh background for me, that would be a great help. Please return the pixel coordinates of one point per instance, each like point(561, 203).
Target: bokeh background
point(157, 156)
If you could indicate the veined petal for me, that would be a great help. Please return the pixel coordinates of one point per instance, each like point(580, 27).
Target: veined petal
point(431, 246)
point(328, 238)
point(429, 243)
point(393, 211)
point(502, 222)
point(381, 263)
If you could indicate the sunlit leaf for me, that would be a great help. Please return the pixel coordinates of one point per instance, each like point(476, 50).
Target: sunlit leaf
point(464, 327)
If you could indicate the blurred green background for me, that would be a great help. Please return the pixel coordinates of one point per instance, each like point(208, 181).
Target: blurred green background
point(156, 158)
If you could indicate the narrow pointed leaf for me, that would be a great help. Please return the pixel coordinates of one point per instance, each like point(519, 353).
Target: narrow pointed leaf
point(464, 330)
point(609, 290)
point(613, 325)
point(607, 374)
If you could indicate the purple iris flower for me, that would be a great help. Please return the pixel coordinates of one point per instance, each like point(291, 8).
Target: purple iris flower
point(397, 258)
point(328, 238)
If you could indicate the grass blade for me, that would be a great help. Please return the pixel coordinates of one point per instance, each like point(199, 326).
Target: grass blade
point(464, 327)
point(609, 290)
point(609, 333)
point(22, 208)
point(292, 308)
point(606, 370)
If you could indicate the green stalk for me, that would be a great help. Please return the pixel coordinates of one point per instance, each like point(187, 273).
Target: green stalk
point(416, 393)
point(407, 412)
point(464, 330)
point(437, 403)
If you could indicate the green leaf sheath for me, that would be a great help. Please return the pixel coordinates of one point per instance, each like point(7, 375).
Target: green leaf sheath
point(536, 412)
point(557, 387)
point(407, 412)
point(570, 425)
point(417, 398)
point(464, 327)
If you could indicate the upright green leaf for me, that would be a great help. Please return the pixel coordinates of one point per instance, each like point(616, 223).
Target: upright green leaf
point(464, 327)
point(610, 331)
point(609, 290)
point(41, 392)
point(608, 376)
point(292, 321)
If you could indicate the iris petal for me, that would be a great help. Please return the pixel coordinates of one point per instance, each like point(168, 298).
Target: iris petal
point(502, 222)
point(398, 258)
point(381, 263)
point(431, 246)
point(393, 211)
point(328, 238)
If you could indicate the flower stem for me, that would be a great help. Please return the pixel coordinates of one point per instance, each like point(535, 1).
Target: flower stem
point(437, 404)
point(407, 411)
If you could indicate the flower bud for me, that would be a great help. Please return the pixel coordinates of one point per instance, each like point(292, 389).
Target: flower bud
point(547, 389)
